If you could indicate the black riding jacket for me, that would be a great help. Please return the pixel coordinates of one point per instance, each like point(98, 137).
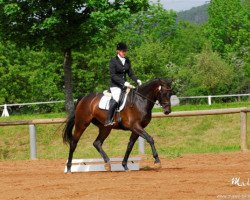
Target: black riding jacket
point(118, 72)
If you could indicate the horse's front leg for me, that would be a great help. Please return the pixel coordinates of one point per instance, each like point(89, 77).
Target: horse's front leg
point(141, 132)
point(130, 146)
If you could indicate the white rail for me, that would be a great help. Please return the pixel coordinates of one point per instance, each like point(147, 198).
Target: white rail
point(209, 97)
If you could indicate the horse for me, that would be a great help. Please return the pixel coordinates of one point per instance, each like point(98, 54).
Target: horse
point(135, 116)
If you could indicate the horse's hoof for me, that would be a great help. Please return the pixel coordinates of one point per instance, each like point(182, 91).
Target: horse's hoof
point(68, 172)
point(107, 167)
point(125, 167)
point(158, 166)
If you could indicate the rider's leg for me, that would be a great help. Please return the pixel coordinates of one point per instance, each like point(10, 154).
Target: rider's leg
point(112, 107)
point(116, 92)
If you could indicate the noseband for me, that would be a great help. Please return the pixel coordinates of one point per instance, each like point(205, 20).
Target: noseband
point(164, 104)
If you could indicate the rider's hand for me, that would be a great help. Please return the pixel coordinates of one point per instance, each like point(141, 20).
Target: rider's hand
point(131, 87)
point(127, 84)
point(139, 82)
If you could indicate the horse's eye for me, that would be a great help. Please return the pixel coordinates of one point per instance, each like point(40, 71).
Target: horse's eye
point(168, 94)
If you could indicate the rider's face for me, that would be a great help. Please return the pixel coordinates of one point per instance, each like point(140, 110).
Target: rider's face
point(122, 53)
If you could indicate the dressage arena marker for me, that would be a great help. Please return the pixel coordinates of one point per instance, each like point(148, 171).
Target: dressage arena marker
point(97, 165)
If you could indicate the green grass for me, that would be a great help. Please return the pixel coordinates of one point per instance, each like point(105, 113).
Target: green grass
point(208, 107)
point(197, 134)
point(173, 136)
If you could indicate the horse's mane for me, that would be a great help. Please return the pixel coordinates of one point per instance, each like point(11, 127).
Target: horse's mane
point(148, 84)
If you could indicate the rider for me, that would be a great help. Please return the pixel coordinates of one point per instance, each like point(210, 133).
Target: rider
point(119, 66)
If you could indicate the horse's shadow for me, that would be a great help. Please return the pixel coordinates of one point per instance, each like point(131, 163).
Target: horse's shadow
point(150, 168)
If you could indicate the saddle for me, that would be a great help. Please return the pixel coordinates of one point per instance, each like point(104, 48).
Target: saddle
point(104, 102)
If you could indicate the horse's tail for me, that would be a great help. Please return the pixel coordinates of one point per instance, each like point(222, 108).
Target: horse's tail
point(67, 131)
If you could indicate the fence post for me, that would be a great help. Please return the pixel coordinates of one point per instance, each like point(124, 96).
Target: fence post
point(209, 100)
point(5, 111)
point(141, 146)
point(243, 130)
point(32, 131)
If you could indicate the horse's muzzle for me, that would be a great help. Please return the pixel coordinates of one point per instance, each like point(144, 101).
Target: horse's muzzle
point(166, 112)
point(167, 108)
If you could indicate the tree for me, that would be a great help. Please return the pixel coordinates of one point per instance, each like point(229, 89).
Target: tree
point(210, 74)
point(196, 15)
point(228, 25)
point(147, 33)
point(151, 60)
point(188, 40)
point(28, 76)
point(155, 24)
point(228, 30)
point(63, 26)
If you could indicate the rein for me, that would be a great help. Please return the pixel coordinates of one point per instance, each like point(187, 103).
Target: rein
point(154, 102)
point(139, 94)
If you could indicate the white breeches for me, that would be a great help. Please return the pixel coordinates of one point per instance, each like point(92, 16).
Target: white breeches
point(116, 92)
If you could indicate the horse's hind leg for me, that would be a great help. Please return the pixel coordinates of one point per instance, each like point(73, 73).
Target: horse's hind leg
point(130, 146)
point(73, 143)
point(103, 134)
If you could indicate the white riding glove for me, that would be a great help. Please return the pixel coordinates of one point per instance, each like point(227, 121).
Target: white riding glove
point(127, 84)
point(139, 82)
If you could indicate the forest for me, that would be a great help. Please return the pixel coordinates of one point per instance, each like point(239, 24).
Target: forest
point(52, 50)
point(198, 15)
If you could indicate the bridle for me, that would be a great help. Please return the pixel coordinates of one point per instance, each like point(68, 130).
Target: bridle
point(164, 104)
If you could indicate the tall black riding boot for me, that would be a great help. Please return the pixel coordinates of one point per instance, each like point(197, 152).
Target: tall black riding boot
point(111, 111)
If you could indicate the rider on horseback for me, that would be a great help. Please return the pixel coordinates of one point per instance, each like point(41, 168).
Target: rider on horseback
point(119, 66)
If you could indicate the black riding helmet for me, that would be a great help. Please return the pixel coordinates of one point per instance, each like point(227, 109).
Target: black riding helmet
point(121, 47)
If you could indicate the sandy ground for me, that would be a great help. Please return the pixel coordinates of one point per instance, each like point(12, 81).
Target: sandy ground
point(199, 176)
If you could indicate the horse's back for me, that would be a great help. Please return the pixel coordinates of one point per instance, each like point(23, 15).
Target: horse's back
point(88, 99)
point(88, 102)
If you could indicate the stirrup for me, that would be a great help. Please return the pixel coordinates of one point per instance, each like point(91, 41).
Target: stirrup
point(110, 123)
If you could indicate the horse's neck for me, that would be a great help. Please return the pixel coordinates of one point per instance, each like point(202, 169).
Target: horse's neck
point(149, 91)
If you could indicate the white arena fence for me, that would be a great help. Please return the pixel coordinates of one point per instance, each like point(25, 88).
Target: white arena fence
point(242, 111)
point(209, 98)
point(5, 112)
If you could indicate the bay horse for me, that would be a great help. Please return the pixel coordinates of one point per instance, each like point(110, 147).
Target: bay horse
point(135, 116)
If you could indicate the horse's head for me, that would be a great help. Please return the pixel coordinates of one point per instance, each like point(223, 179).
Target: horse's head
point(164, 94)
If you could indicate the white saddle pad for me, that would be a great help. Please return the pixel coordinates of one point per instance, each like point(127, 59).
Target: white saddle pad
point(104, 102)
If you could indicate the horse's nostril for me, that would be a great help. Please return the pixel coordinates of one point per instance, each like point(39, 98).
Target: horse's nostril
point(166, 112)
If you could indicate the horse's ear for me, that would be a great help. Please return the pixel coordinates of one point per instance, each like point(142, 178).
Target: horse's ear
point(167, 81)
point(170, 80)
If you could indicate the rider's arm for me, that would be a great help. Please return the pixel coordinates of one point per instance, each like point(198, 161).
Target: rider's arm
point(131, 73)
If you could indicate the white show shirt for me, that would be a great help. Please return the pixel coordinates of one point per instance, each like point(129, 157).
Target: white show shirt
point(122, 59)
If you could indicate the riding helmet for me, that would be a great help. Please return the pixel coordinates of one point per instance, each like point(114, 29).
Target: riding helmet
point(121, 46)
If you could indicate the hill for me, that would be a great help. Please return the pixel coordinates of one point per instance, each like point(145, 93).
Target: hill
point(198, 15)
